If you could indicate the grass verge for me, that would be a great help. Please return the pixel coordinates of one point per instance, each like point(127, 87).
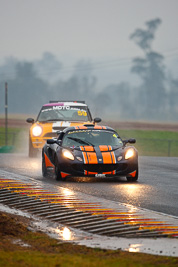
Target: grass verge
point(17, 138)
point(45, 251)
point(153, 143)
point(149, 142)
point(11, 135)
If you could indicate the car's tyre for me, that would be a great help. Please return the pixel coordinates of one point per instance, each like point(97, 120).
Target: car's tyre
point(44, 169)
point(32, 151)
point(58, 171)
point(133, 179)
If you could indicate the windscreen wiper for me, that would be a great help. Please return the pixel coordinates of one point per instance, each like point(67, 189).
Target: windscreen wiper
point(81, 141)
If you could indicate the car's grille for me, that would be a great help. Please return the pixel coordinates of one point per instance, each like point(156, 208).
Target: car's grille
point(99, 167)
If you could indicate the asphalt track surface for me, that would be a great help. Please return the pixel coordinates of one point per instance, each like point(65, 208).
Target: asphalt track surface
point(156, 189)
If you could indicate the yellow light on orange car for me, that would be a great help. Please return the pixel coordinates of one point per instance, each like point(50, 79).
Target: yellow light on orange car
point(129, 153)
point(67, 154)
point(37, 131)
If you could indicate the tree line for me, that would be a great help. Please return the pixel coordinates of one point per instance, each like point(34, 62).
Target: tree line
point(31, 85)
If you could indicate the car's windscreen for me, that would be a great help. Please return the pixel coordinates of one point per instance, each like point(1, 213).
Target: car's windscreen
point(64, 113)
point(91, 138)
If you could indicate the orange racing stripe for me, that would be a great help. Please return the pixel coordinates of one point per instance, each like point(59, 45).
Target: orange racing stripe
point(107, 158)
point(85, 157)
point(113, 157)
point(103, 148)
point(90, 173)
point(82, 127)
point(98, 127)
point(88, 148)
point(92, 158)
point(89, 157)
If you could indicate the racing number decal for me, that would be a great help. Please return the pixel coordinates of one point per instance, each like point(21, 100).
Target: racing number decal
point(82, 113)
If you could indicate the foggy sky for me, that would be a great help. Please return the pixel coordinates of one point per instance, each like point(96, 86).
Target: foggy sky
point(82, 28)
point(98, 30)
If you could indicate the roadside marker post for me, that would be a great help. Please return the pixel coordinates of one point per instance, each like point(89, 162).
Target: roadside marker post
point(6, 148)
point(6, 114)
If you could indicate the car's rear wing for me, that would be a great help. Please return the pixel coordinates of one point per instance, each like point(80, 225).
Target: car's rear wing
point(59, 101)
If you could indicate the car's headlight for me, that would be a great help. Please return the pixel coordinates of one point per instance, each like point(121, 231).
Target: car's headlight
point(67, 154)
point(129, 153)
point(37, 130)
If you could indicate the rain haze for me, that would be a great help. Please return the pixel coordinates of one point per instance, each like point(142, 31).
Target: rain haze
point(90, 50)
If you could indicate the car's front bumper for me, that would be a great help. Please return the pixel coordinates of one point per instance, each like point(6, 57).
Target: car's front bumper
point(99, 170)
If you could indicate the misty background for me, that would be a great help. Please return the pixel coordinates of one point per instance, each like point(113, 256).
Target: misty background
point(151, 94)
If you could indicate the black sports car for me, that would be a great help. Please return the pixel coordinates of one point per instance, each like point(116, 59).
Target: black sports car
point(90, 150)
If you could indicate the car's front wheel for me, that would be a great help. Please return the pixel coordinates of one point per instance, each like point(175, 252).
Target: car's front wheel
point(133, 179)
point(58, 171)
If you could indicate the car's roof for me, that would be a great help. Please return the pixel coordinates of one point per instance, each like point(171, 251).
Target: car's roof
point(88, 127)
point(64, 104)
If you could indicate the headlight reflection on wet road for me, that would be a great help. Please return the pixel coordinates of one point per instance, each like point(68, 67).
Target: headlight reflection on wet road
point(134, 248)
point(131, 189)
point(134, 194)
point(64, 233)
point(66, 192)
point(135, 190)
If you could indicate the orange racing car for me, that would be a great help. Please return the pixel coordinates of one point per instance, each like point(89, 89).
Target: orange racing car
point(54, 117)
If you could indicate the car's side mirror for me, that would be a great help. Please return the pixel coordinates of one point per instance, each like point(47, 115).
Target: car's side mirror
point(130, 141)
point(30, 120)
point(53, 141)
point(97, 120)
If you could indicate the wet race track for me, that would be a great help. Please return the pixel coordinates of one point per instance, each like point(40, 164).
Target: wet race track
point(105, 213)
point(155, 190)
